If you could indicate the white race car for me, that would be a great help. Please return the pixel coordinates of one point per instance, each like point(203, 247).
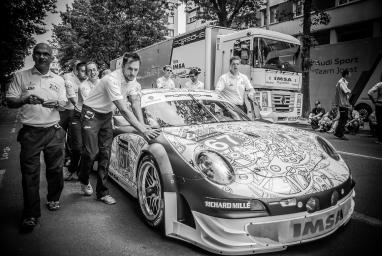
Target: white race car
point(225, 183)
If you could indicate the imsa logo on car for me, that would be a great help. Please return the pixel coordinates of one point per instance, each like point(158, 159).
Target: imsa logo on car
point(318, 225)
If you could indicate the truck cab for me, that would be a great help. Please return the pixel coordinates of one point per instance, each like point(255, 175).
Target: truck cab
point(271, 60)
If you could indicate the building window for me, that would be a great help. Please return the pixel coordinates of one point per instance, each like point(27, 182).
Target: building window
point(171, 19)
point(273, 14)
point(170, 32)
point(298, 8)
point(242, 49)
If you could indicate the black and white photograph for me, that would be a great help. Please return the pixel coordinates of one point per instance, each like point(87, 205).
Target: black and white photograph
point(190, 127)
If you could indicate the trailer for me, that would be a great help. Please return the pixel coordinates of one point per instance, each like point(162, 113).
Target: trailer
point(270, 59)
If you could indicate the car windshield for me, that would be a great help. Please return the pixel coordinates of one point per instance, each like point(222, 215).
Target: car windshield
point(191, 111)
point(279, 55)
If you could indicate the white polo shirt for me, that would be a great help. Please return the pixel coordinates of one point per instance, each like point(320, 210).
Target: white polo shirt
point(49, 87)
point(110, 88)
point(84, 91)
point(72, 85)
point(190, 85)
point(165, 83)
point(233, 87)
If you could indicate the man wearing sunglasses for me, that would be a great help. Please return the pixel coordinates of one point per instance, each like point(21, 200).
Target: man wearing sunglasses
point(165, 81)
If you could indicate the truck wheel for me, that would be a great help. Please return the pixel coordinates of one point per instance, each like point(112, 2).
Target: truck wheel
point(150, 193)
point(364, 111)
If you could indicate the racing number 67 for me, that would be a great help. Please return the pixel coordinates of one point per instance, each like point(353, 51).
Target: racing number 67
point(221, 142)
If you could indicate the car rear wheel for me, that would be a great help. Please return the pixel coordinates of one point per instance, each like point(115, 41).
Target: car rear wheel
point(150, 192)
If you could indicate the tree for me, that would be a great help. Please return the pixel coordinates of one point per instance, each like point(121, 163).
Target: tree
point(319, 17)
point(231, 13)
point(21, 20)
point(102, 30)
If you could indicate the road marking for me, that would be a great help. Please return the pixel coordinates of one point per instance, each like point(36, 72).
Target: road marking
point(369, 220)
point(364, 156)
point(2, 172)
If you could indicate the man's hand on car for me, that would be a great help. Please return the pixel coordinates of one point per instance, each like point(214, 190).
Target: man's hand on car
point(151, 134)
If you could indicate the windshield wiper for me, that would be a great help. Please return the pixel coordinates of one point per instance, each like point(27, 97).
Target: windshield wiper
point(204, 107)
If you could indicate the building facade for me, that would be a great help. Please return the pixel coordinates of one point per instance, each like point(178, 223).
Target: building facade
point(176, 20)
point(352, 40)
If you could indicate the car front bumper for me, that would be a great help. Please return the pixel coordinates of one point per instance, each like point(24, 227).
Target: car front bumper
point(262, 234)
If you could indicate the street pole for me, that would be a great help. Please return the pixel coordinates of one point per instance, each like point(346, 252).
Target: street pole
point(267, 15)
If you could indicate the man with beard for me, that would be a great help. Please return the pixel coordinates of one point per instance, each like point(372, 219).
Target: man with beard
point(111, 92)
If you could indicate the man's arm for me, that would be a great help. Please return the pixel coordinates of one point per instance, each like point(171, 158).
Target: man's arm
point(220, 85)
point(130, 117)
point(14, 102)
point(135, 101)
point(372, 91)
point(344, 88)
point(15, 97)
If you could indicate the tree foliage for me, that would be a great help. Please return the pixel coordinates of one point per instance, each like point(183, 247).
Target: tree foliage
point(227, 13)
point(101, 30)
point(21, 20)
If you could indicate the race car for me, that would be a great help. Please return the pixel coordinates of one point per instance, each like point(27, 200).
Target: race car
point(228, 184)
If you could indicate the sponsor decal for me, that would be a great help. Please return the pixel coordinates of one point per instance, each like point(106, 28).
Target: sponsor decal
point(189, 38)
point(53, 87)
point(317, 226)
point(278, 78)
point(123, 156)
point(229, 205)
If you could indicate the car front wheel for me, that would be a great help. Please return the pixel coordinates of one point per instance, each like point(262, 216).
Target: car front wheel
point(150, 193)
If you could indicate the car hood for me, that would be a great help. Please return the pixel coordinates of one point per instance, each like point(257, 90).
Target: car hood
point(269, 160)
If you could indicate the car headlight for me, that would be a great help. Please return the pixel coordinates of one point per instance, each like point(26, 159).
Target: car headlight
point(328, 148)
point(215, 168)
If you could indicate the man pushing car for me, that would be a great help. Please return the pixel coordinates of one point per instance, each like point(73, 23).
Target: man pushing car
point(97, 134)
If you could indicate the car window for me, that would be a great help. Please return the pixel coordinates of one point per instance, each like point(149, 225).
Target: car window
point(189, 112)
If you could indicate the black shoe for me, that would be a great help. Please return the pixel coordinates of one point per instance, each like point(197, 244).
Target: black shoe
point(28, 224)
point(53, 205)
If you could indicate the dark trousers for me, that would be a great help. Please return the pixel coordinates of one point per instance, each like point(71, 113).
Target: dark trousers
point(340, 130)
point(75, 141)
point(378, 115)
point(65, 120)
point(97, 136)
point(33, 140)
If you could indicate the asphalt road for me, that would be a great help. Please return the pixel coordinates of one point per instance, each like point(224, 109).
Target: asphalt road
point(85, 226)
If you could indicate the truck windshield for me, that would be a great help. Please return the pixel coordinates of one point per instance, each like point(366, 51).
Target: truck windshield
point(273, 54)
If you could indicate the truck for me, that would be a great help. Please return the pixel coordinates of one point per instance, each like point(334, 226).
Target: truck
point(271, 60)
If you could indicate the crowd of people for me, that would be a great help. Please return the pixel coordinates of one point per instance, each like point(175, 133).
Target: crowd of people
point(343, 117)
point(69, 119)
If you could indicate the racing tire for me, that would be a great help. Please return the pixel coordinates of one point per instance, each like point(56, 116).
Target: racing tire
point(364, 111)
point(150, 193)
